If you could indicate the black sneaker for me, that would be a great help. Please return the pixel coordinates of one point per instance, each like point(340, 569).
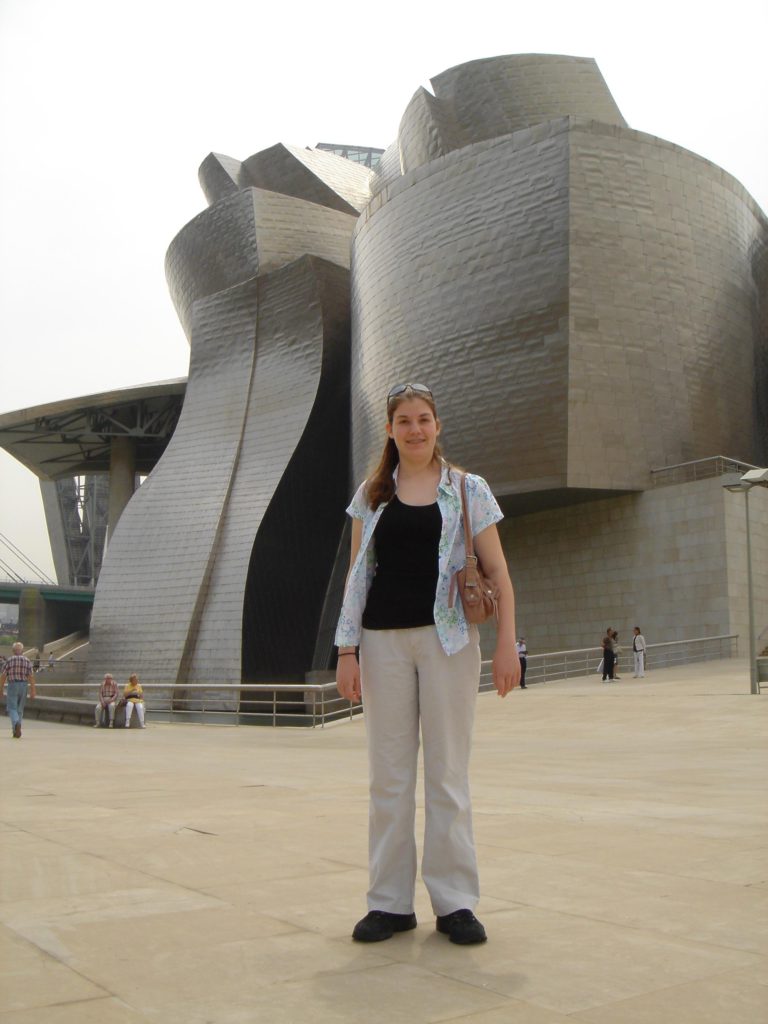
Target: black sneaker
point(462, 927)
point(17, 731)
point(378, 925)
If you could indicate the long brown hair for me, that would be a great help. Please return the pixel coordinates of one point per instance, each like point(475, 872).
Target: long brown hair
point(380, 487)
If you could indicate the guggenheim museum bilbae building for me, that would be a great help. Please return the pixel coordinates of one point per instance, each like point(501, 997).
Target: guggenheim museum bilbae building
point(589, 305)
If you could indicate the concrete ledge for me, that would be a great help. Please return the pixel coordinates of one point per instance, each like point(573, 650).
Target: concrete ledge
point(69, 710)
point(66, 710)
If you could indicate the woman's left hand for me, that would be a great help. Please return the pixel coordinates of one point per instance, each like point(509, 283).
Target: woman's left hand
point(506, 669)
point(506, 664)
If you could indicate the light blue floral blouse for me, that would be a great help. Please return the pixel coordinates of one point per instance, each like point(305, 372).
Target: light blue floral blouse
point(450, 623)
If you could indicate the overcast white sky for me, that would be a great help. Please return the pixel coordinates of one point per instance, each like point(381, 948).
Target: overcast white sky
point(109, 108)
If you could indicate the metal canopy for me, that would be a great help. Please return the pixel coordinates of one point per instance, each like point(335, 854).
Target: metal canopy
point(73, 437)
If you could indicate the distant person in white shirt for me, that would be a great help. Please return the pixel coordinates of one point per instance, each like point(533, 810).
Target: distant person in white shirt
point(638, 649)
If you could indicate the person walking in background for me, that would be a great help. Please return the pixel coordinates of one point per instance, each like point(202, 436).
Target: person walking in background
point(18, 674)
point(608, 655)
point(36, 663)
point(638, 650)
point(522, 654)
point(133, 694)
point(107, 701)
point(419, 666)
point(51, 662)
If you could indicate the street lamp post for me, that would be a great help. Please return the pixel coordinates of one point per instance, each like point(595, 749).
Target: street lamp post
point(754, 478)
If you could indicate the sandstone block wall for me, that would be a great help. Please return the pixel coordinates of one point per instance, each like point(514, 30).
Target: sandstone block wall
point(671, 560)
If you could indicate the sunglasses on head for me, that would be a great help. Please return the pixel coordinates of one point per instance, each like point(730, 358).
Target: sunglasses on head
point(399, 389)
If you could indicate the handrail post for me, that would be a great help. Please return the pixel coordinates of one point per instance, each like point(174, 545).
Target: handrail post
point(754, 686)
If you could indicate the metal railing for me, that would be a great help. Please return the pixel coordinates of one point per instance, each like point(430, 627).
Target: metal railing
point(305, 705)
point(309, 705)
point(699, 469)
point(544, 668)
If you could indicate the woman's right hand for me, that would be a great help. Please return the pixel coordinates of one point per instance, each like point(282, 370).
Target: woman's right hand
point(348, 677)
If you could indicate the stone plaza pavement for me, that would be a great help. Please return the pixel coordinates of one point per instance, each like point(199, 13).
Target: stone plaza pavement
point(197, 874)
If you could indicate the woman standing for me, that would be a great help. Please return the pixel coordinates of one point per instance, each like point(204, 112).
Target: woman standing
point(134, 697)
point(609, 655)
point(419, 666)
point(616, 653)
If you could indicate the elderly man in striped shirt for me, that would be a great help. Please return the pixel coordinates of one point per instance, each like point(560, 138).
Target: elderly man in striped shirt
point(107, 699)
point(17, 673)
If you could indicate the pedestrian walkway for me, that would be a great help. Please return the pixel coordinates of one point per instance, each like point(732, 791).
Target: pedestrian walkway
point(190, 874)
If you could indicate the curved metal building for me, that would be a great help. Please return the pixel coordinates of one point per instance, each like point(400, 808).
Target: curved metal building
point(216, 571)
point(583, 295)
point(587, 302)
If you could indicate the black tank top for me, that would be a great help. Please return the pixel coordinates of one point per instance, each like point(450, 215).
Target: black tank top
point(406, 539)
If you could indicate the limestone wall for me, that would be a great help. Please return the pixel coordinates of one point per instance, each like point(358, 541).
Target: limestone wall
point(671, 560)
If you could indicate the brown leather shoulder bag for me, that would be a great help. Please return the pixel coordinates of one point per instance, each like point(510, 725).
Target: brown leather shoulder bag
point(479, 597)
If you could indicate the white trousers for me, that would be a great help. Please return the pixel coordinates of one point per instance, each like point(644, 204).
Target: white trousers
point(407, 680)
point(639, 664)
point(129, 711)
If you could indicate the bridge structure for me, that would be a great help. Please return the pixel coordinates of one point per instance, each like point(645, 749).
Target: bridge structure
point(47, 611)
point(89, 454)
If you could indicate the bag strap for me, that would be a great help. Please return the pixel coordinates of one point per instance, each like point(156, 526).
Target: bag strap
point(469, 548)
point(469, 552)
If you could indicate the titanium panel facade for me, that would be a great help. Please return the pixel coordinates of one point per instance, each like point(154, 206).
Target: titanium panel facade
point(498, 95)
point(663, 309)
point(261, 284)
point(460, 278)
point(485, 99)
point(311, 174)
point(591, 294)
